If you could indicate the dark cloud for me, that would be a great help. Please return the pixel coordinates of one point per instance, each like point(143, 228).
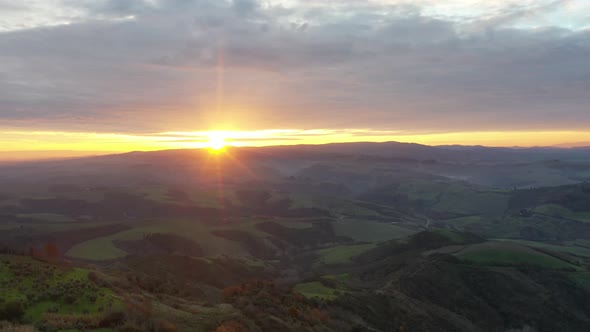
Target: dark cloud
point(145, 66)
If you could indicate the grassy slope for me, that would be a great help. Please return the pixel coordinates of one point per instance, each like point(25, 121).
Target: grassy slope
point(494, 253)
point(43, 287)
point(455, 197)
point(103, 248)
point(315, 289)
point(335, 205)
point(341, 254)
point(370, 231)
point(568, 249)
point(207, 198)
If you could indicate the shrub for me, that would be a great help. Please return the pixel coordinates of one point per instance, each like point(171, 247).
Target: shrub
point(12, 311)
point(231, 326)
point(318, 315)
point(232, 291)
point(112, 318)
point(166, 326)
point(93, 276)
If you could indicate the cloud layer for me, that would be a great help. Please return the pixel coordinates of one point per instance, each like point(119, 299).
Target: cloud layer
point(141, 66)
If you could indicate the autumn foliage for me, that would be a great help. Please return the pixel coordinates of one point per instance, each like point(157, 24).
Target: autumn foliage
point(231, 326)
point(49, 252)
point(262, 300)
point(232, 291)
point(319, 315)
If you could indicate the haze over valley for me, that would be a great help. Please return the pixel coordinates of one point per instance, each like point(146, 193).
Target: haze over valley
point(291, 165)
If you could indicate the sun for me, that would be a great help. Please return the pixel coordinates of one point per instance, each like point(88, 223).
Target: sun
point(216, 142)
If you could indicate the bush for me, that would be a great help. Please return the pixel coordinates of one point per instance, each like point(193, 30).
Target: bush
point(12, 311)
point(231, 326)
point(93, 277)
point(166, 326)
point(112, 318)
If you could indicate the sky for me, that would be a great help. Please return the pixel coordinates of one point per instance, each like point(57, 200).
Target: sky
point(120, 75)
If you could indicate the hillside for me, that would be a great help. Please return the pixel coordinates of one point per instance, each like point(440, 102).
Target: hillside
point(308, 238)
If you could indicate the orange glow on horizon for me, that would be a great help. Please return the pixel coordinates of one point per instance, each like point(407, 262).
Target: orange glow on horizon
point(15, 144)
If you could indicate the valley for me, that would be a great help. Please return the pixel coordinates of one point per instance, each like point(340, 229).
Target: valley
point(183, 241)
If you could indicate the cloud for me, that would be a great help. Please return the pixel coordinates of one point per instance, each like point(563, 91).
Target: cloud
point(149, 66)
point(518, 12)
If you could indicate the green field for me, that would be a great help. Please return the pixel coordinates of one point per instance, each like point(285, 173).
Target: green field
point(504, 254)
point(104, 248)
point(315, 289)
point(97, 249)
point(370, 231)
point(341, 254)
point(567, 248)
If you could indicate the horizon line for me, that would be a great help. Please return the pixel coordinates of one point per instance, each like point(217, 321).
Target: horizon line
point(56, 155)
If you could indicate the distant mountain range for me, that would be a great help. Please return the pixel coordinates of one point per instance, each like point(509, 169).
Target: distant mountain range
point(18, 156)
point(395, 150)
point(446, 153)
point(574, 145)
